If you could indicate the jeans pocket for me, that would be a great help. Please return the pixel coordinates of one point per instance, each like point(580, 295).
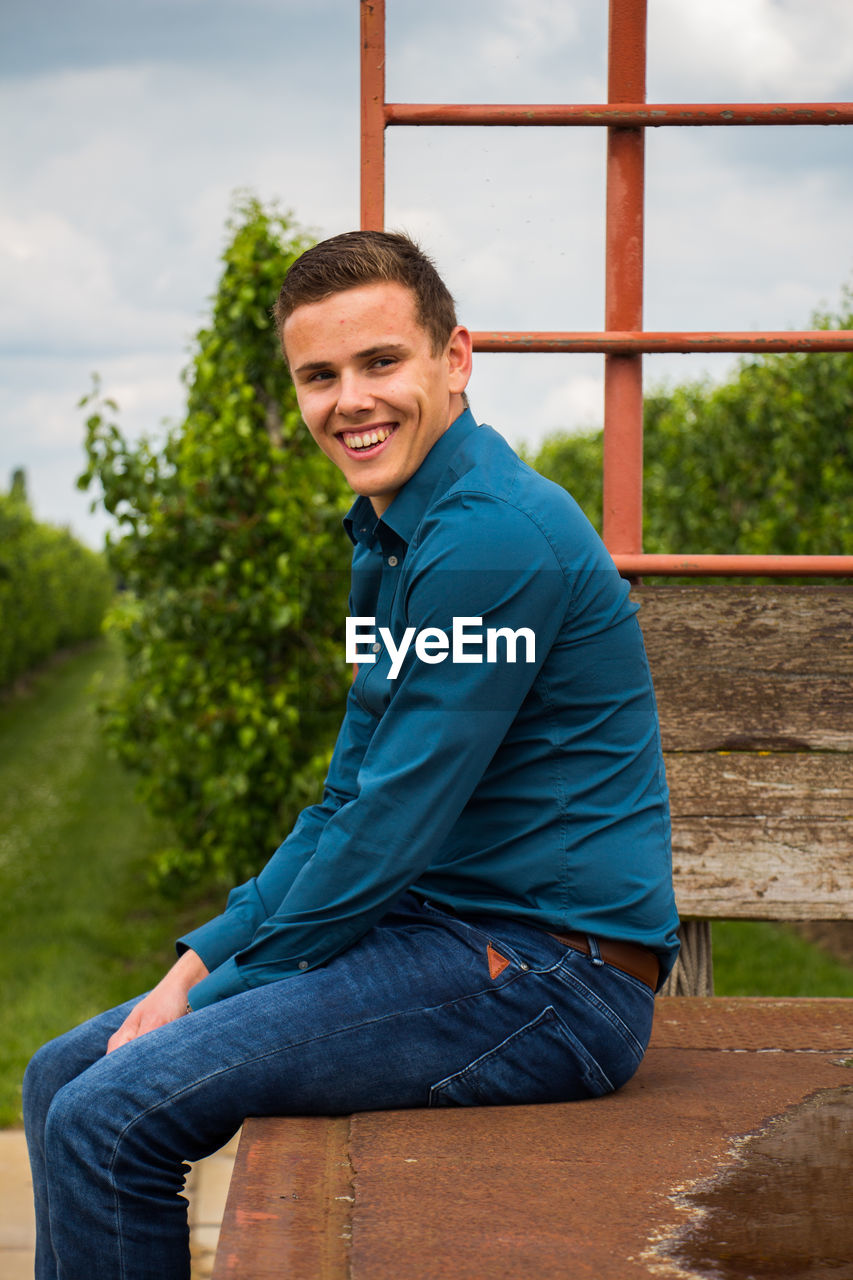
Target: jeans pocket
point(541, 1062)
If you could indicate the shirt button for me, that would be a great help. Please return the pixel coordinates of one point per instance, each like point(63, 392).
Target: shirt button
point(303, 964)
point(376, 647)
point(392, 560)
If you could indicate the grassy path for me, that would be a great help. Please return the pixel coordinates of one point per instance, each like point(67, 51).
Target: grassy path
point(80, 929)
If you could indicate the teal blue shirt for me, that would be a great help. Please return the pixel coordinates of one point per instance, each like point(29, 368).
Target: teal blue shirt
point(527, 788)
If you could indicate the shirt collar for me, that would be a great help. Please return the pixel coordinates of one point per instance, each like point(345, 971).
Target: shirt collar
point(408, 506)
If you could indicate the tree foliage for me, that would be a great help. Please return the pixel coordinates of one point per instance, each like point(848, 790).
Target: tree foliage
point(230, 549)
point(53, 590)
point(762, 463)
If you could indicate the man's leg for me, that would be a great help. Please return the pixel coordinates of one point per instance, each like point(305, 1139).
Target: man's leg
point(51, 1068)
point(425, 1010)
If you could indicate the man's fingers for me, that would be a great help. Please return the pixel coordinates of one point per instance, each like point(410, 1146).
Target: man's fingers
point(129, 1030)
point(135, 1027)
point(119, 1038)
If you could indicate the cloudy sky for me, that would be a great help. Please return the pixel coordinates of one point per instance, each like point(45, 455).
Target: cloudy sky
point(128, 125)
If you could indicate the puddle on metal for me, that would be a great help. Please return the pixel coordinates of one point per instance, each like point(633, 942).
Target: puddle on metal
point(784, 1209)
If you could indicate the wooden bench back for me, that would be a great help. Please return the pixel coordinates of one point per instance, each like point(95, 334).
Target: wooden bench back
point(755, 694)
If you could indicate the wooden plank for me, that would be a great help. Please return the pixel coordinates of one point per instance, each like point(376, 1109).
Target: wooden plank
point(754, 668)
point(289, 1206)
point(763, 869)
point(777, 784)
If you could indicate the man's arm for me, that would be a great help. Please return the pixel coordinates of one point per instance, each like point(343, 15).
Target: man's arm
point(250, 904)
point(429, 750)
point(165, 1003)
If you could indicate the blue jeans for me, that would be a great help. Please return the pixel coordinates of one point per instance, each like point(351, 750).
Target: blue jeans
point(426, 1010)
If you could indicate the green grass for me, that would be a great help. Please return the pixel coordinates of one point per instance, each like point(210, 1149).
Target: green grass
point(80, 928)
point(756, 958)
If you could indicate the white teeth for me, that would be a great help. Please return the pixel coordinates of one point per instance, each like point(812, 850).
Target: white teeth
point(353, 441)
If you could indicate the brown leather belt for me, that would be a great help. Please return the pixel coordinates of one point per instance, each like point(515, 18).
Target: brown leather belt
point(630, 957)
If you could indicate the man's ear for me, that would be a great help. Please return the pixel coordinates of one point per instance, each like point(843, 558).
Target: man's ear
point(458, 355)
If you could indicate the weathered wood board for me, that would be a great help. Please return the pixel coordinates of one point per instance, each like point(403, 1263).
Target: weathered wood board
point(755, 692)
point(763, 870)
point(751, 668)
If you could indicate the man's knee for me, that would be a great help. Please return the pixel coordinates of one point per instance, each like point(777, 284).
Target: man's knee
point(79, 1125)
point(46, 1073)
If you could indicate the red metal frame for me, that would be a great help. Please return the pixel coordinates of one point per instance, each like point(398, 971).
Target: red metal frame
point(626, 116)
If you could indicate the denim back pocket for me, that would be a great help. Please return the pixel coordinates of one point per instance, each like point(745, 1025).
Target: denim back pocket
point(541, 1062)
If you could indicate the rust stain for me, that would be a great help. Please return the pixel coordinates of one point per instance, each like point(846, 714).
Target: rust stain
point(247, 1216)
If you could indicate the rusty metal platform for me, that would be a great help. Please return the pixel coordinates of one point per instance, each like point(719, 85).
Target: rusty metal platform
point(595, 1188)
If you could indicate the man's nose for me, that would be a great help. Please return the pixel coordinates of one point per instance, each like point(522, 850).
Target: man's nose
point(354, 395)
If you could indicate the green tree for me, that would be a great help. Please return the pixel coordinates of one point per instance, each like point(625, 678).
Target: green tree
point(230, 549)
point(18, 487)
point(762, 463)
point(574, 461)
point(53, 590)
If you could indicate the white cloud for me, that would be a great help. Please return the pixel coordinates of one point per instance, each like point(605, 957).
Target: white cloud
point(44, 431)
point(577, 402)
point(749, 50)
point(527, 32)
point(737, 241)
point(496, 51)
point(61, 294)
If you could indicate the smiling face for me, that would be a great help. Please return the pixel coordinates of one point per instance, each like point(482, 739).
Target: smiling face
point(372, 391)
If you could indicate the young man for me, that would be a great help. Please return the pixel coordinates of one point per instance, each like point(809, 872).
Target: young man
point(480, 908)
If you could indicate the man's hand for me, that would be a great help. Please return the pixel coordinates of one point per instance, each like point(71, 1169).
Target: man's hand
point(165, 1003)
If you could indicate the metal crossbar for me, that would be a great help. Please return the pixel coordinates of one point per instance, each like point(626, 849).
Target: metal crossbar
point(626, 116)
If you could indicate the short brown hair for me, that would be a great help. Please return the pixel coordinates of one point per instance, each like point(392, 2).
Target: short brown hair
point(358, 258)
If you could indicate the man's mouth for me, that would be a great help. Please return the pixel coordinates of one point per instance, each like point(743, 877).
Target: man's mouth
point(364, 441)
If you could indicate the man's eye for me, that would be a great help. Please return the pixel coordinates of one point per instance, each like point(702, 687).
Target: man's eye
point(383, 362)
point(321, 375)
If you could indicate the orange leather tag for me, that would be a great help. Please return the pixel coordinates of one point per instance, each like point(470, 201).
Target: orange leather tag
point(497, 962)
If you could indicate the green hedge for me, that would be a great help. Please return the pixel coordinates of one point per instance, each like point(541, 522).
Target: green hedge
point(53, 590)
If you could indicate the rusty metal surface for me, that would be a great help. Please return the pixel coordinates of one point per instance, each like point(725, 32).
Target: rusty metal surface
point(372, 114)
point(633, 114)
point(626, 52)
point(574, 1190)
point(288, 1207)
point(622, 495)
point(627, 341)
point(748, 566)
point(760, 1023)
point(583, 1189)
point(622, 507)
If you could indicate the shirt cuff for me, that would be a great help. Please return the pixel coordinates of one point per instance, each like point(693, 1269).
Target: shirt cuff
point(218, 985)
point(217, 940)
